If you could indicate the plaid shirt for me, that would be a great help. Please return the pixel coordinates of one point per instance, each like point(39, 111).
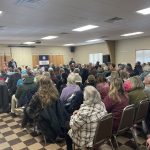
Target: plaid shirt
point(84, 123)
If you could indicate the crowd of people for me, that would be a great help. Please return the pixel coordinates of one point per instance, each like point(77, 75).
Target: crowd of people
point(67, 101)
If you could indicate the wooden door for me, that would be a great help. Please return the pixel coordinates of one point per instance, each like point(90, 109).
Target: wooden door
point(56, 59)
point(35, 60)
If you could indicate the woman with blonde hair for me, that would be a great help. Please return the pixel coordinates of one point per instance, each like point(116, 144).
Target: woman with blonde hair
point(46, 94)
point(116, 101)
point(46, 110)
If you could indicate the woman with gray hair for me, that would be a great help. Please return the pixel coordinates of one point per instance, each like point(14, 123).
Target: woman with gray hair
point(71, 88)
point(146, 71)
point(83, 122)
point(147, 91)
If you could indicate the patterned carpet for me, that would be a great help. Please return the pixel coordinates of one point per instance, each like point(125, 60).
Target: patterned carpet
point(12, 137)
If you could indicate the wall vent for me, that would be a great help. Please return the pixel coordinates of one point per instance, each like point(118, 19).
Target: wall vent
point(31, 3)
point(21, 45)
point(114, 19)
point(2, 27)
point(104, 37)
point(63, 33)
point(27, 1)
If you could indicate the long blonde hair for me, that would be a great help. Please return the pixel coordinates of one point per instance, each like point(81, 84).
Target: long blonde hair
point(47, 92)
point(116, 88)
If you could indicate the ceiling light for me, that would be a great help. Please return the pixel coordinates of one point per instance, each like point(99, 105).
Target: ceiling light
point(29, 43)
point(49, 37)
point(145, 11)
point(94, 40)
point(84, 28)
point(71, 44)
point(1, 12)
point(132, 34)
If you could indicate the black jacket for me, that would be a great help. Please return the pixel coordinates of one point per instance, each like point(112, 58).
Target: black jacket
point(52, 121)
point(28, 84)
point(4, 97)
point(74, 102)
point(12, 82)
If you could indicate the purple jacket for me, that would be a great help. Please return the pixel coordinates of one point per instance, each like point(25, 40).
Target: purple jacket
point(68, 91)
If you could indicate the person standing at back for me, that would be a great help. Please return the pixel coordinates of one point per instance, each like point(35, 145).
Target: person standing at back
point(72, 61)
point(12, 64)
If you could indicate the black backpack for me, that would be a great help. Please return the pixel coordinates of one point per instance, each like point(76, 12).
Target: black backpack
point(74, 101)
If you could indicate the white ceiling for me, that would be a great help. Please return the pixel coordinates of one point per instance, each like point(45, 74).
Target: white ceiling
point(29, 21)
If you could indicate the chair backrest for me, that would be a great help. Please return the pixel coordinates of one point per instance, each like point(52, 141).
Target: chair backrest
point(104, 130)
point(127, 118)
point(141, 112)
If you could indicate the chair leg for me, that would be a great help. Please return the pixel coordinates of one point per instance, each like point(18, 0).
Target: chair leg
point(144, 127)
point(135, 139)
point(45, 142)
point(74, 147)
point(115, 138)
point(34, 127)
point(112, 147)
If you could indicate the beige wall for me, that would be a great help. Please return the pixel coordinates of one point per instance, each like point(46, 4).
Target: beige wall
point(126, 49)
point(81, 54)
point(23, 56)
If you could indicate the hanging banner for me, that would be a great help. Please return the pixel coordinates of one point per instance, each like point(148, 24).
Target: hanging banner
point(43, 60)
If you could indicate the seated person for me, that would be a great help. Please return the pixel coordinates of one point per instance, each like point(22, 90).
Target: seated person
point(45, 109)
point(3, 75)
point(46, 93)
point(116, 101)
point(84, 121)
point(90, 81)
point(147, 91)
point(18, 98)
point(62, 82)
point(135, 88)
point(12, 81)
point(70, 88)
point(102, 86)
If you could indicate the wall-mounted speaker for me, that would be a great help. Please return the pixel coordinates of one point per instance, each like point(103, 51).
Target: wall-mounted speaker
point(72, 49)
point(106, 58)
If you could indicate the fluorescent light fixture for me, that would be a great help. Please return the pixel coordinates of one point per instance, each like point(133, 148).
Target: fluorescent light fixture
point(1, 12)
point(71, 44)
point(94, 40)
point(145, 11)
point(84, 28)
point(132, 34)
point(49, 37)
point(29, 43)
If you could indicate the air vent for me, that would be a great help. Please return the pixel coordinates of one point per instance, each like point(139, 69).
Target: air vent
point(27, 1)
point(103, 37)
point(2, 27)
point(31, 3)
point(21, 45)
point(113, 20)
point(38, 42)
point(63, 33)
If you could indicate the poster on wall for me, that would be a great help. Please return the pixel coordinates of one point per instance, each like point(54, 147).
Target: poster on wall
point(44, 60)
